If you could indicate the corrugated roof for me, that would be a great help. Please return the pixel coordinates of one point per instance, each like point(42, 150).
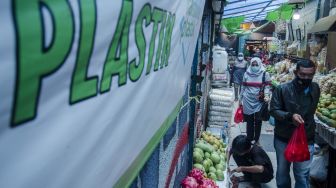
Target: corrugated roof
point(253, 10)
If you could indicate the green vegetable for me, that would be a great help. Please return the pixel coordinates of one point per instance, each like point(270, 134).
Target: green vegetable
point(220, 167)
point(199, 166)
point(206, 165)
point(197, 157)
point(215, 158)
point(212, 176)
point(212, 169)
point(207, 155)
point(210, 161)
point(199, 151)
point(220, 175)
point(205, 147)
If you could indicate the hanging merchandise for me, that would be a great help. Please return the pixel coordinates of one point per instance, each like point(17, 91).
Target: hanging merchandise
point(321, 60)
point(297, 148)
point(293, 48)
point(284, 71)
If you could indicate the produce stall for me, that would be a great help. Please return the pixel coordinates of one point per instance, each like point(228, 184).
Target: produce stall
point(326, 120)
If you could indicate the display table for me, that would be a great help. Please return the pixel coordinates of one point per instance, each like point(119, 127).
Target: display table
point(225, 183)
point(326, 132)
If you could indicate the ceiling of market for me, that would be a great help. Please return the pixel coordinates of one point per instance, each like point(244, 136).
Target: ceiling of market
point(253, 10)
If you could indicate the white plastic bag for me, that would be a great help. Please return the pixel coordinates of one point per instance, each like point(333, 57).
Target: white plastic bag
point(319, 167)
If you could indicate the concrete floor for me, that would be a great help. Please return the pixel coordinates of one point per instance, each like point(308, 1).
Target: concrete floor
point(266, 141)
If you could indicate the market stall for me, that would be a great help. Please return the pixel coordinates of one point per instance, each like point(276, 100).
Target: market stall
point(322, 51)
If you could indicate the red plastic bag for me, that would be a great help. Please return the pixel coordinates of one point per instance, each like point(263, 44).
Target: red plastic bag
point(239, 117)
point(297, 148)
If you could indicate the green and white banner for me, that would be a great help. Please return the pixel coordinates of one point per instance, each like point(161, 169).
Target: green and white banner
point(86, 85)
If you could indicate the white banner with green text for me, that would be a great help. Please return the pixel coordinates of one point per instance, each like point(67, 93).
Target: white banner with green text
point(87, 85)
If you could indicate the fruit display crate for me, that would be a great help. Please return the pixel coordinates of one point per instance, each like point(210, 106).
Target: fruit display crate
point(326, 132)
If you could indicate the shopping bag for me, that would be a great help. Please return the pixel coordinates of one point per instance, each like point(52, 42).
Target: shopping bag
point(297, 148)
point(319, 167)
point(239, 117)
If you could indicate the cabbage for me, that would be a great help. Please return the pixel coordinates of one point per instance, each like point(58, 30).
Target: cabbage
point(189, 182)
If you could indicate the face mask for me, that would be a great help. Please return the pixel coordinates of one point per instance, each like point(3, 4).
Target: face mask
point(303, 82)
point(255, 69)
point(240, 58)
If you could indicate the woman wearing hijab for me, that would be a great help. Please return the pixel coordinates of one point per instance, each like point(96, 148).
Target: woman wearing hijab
point(239, 70)
point(252, 97)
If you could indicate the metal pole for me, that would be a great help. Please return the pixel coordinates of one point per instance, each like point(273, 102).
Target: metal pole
point(192, 114)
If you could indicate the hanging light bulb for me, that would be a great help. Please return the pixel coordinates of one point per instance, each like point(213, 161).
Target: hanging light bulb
point(296, 15)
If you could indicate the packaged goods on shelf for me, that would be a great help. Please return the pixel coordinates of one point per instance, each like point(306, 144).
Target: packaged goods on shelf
point(285, 71)
point(293, 48)
point(221, 106)
point(321, 60)
point(328, 84)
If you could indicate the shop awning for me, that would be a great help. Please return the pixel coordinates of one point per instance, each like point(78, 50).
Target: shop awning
point(324, 25)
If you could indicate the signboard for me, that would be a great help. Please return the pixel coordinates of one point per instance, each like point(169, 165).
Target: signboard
point(86, 85)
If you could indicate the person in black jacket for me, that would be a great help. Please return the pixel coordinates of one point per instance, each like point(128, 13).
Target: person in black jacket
point(292, 104)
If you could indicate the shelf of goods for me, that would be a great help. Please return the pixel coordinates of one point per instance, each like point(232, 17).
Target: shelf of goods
point(210, 156)
point(326, 109)
point(220, 80)
point(318, 53)
point(221, 106)
point(284, 71)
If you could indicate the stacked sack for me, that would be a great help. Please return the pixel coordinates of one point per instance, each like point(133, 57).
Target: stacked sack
point(221, 106)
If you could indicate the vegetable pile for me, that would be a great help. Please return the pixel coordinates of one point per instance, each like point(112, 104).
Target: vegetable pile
point(210, 157)
point(326, 110)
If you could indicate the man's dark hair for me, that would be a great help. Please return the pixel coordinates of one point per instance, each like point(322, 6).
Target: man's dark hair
point(306, 63)
point(240, 144)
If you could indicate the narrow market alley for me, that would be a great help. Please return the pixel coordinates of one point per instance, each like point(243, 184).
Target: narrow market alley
point(168, 94)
